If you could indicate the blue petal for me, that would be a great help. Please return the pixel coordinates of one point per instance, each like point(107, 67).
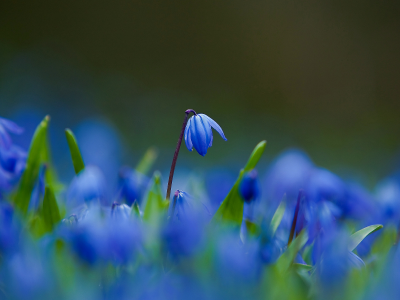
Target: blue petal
point(11, 126)
point(215, 126)
point(5, 140)
point(188, 139)
point(198, 135)
point(208, 131)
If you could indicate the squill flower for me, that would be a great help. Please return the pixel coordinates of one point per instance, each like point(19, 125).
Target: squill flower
point(5, 127)
point(198, 133)
point(248, 187)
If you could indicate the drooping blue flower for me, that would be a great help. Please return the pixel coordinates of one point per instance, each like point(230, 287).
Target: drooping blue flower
point(183, 206)
point(7, 126)
point(89, 185)
point(198, 133)
point(248, 187)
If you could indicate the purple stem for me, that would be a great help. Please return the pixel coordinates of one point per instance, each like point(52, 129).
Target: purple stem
point(296, 213)
point(171, 172)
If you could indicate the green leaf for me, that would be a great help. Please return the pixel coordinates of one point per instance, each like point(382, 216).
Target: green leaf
point(155, 204)
point(50, 212)
point(231, 209)
point(357, 237)
point(38, 154)
point(135, 210)
point(147, 161)
point(76, 156)
point(277, 218)
point(302, 267)
point(286, 259)
point(255, 156)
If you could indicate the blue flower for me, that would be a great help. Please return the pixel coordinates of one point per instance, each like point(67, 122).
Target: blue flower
point(248, 187)
point(120, 212)
point(198, 133)
point(5, 127)
point(183, 207)
point(88, 186)
point(12, 165)
point(133, 185)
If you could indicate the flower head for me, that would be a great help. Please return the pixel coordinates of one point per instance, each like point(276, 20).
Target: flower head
point(248, 187)
point(5, 127)
point(198, 133)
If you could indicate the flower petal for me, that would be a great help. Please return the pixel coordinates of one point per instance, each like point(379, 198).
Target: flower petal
point(188, 138)
point(5, 140)
point(215, 126)
point(11, 126)
point(198, 135)
point(207, 130)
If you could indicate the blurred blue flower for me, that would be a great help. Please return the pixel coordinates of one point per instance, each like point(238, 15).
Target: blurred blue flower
point(198, 133)
point(10, 228)
point(183, 237)
point(387, 193)
point(7, 126)
point(334, 260)
point(28, 277)
point(120, 212)
point(287, 175)
point(101, 146)
point(237, 262)
point(88, 186)
point(12, 165)
point(183, 206)
point(249, 188)
point(324, 185)
point(123, 240)
point(358, 204)
point(38, 190)
point(133, 185)
point(218, 184)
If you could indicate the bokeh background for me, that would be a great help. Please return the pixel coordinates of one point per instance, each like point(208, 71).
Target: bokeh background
point(322, 76)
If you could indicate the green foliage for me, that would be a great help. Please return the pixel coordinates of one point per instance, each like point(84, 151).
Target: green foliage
point(357, 237)
point(135, 210)
point(286, 259)
point(50, 212)
point(155, 204)
point(147, 161)
point(231, 209)
point(37, 155)
point(277, 218)
point(76, 156)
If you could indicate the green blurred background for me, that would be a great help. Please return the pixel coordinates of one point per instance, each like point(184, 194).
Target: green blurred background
point(319, 75)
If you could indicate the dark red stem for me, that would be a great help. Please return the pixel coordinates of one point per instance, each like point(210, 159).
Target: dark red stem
point(178, 146)
point(296, 213)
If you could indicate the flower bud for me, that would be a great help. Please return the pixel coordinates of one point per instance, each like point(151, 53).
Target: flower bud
point(248, 187)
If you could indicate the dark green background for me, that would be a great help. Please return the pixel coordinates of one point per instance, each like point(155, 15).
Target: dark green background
point(319, 75)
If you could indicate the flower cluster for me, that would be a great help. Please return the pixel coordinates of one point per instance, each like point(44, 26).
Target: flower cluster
point(291, 231)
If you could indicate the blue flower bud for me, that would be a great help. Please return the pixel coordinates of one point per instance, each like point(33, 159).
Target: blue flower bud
point(198, 133)
point(248, 187)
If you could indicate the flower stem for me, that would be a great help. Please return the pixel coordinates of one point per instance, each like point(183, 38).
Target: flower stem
point(178, 146)
point(296, 213)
